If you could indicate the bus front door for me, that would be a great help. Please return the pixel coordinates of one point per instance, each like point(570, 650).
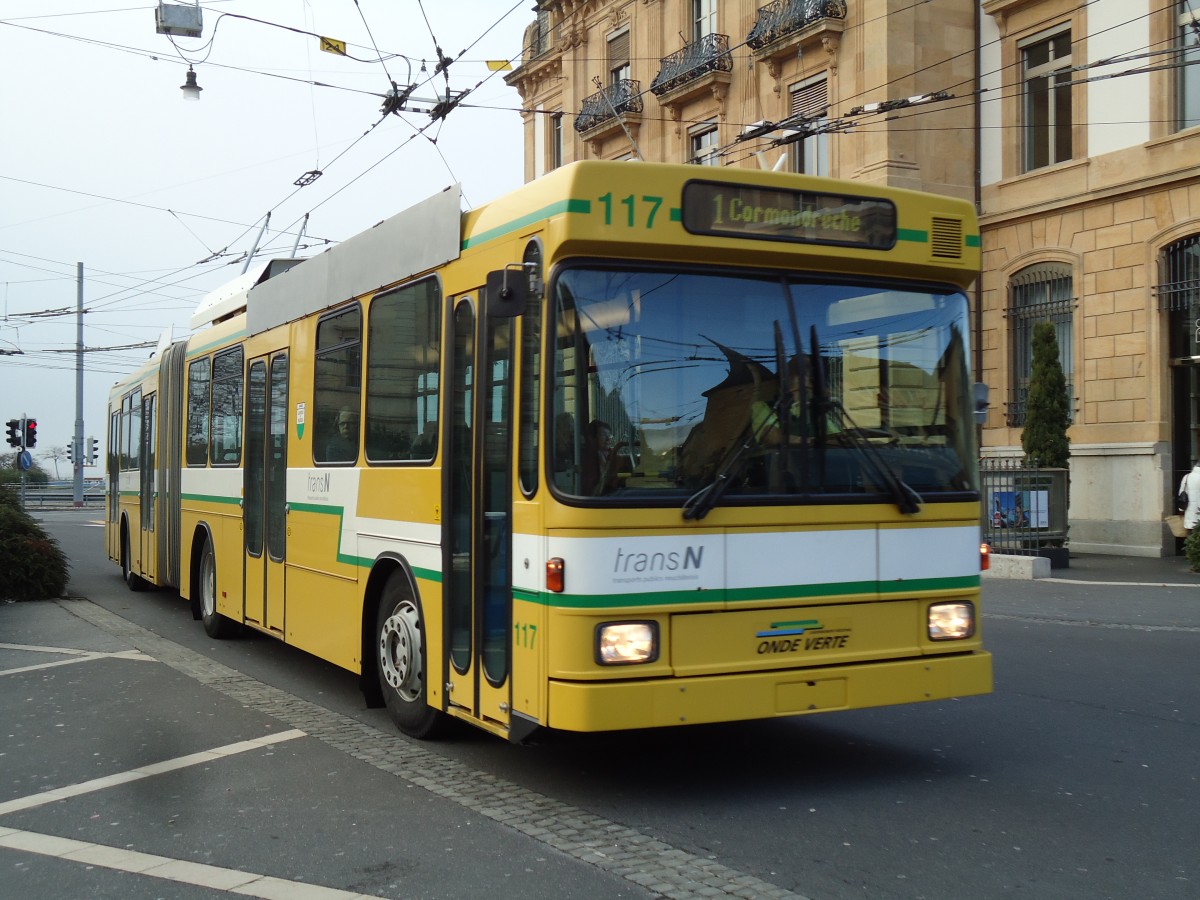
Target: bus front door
point(478, 536)
point(147, 560)
point(264, 495)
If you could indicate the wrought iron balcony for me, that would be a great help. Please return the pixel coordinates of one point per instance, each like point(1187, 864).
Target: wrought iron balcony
point(624, 96)
point(709, 54)
point(781, 18)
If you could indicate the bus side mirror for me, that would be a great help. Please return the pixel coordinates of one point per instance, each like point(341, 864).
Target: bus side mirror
point(981, 403)
point(507, 292)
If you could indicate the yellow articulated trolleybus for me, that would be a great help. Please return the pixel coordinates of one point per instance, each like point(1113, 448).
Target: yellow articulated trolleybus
point(636, 445)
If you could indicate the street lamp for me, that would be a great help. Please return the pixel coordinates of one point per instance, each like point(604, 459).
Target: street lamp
point(191, 90)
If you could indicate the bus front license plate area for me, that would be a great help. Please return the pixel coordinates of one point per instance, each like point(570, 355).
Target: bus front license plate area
point(808, 696)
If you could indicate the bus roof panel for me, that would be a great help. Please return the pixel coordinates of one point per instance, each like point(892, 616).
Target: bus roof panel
point(420, 238)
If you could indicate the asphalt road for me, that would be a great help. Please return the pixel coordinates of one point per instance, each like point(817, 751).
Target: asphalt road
point(1077, 778)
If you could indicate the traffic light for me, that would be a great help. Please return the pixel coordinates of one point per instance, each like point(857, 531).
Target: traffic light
point(30, 433)
point(93, 452)
point(14, 432)
point(71, 452)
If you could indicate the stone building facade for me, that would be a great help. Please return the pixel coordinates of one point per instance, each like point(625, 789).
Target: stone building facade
point(683, 80)
point(1070, 125)
point(1090, 212)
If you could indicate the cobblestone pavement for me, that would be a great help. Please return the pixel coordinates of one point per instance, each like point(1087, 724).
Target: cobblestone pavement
point(624, 852)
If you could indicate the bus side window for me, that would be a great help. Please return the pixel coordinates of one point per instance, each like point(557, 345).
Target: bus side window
point(337, 391)
point(403, 354)
point(197, 412)
point(227, 381)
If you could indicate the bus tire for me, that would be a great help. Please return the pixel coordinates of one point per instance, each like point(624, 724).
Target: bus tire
point(400, 660)
point(215, 625)
point(134, 581)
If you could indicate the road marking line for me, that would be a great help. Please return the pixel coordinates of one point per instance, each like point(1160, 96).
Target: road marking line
point(606, 846)
point(168, 765)
point(1163, 584)
point(234, 881)
point(77, 656)
point(37, 648)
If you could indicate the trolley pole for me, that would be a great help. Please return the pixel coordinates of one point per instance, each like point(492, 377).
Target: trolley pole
point(77, 450)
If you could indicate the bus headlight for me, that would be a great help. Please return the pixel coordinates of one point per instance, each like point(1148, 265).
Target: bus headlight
point(951, 621)
point(625, 643)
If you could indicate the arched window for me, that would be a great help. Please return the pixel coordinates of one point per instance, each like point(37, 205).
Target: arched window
point(1038, 293)
point(1178, 292)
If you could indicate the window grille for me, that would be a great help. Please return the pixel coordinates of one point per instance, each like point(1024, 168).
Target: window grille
point(1037, 294)
point(1178, 285)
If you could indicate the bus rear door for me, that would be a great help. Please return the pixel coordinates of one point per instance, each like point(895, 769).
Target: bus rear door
point(264, 494)
point(146, 565)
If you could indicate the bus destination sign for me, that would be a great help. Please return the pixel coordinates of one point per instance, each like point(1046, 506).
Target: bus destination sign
point(770, 214)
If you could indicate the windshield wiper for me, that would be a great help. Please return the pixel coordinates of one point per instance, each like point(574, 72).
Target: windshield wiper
point(907, 500)
point(701, 503)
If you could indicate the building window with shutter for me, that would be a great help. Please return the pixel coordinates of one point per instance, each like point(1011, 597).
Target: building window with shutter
point(810, 100)
point(1039, 293)
point(1046, 70)
point(703, 145)
point(618, 57)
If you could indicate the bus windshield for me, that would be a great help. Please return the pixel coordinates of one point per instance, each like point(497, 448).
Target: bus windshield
point(770, 388)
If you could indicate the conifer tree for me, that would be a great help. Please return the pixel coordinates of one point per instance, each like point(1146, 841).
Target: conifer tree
point(1047, 406)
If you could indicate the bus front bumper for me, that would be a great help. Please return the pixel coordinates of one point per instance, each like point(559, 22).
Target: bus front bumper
point(653, 703)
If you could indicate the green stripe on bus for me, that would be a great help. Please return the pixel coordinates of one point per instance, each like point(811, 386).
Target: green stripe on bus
point(915, 235)
point(210, 498)
point(320, 508)
point(973, 240)
point(339, 511)
point(909, 585)
point(554, 209)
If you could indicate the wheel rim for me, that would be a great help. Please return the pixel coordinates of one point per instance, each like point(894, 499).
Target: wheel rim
point(400, 651)
point(208, 602)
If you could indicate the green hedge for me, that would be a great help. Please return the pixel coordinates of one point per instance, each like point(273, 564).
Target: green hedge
point(32, 565)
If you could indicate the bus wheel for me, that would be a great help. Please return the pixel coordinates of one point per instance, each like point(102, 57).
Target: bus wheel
point(215, 624)
point(132, 579)
point(400, 641)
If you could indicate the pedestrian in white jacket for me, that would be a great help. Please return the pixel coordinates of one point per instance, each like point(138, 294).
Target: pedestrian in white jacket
point(1190, 485)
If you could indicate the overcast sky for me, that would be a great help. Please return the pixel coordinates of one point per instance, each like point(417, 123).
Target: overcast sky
point(104, 163)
